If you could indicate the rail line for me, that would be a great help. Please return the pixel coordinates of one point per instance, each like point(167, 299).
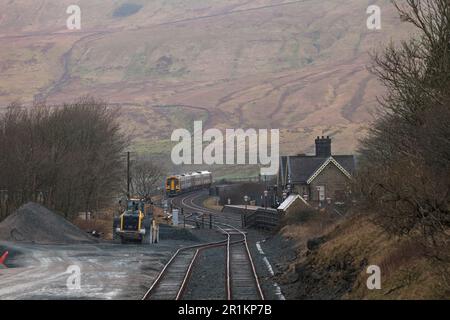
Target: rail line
point(172, 280)
point(242, 281)
point(242, 278)
point(188, 203)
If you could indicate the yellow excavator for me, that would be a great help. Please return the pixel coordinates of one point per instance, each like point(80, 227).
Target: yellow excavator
point(136, 223)
point(138, 219)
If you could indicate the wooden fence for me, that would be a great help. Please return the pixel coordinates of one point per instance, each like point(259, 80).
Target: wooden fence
point(261, 219)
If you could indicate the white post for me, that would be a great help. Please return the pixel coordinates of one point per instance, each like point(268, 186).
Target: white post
point(157, 234)
point(151, 234)
point(175, 217)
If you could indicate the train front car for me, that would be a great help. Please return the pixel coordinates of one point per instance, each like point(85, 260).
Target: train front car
point(187, 182)
point(173, 187)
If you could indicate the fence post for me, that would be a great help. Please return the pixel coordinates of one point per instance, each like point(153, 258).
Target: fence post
point(210, 221)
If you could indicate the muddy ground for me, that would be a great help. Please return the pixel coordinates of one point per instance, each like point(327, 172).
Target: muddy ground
point(117, 272)
point(108, 271)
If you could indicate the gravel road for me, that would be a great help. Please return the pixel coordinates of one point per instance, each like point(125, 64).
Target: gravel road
point(108, 271)
point(112, 271)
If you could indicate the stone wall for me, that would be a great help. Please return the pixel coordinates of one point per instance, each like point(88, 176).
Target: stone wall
point(334, 181)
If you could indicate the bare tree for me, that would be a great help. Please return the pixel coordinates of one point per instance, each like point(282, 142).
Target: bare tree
point(404, 175)
point(67, 157)
point(146, 177)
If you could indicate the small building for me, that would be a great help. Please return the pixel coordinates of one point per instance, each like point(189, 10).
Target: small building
point(293, 204)
point(243, 209)
point(320, 177)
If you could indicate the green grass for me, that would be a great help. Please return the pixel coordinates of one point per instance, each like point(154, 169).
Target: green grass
point(182, 117)
point(137, 67)
point(160, 151)
point(153, 147)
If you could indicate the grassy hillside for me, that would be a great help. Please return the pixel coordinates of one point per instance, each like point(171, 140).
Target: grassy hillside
point(335, 266)
point(299, 66)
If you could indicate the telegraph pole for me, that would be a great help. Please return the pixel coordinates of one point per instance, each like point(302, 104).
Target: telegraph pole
point(128, 175)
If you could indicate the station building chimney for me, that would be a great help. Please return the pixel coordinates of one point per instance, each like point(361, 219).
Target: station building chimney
point(323, 146)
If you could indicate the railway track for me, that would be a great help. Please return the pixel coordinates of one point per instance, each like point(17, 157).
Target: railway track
point(172, 280)
point(241, 281)
point(188, 203)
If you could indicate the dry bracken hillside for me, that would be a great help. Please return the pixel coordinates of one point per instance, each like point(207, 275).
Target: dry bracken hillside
point(299, 66)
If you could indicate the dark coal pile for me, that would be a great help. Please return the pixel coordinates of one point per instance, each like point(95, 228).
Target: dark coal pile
point(36, 224)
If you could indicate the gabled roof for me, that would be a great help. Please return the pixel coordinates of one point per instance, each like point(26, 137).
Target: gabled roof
point(290, 200)
point(302, 168)
point(324, 165)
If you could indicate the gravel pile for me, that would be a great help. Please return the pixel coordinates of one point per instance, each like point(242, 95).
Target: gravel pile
point(36, 224)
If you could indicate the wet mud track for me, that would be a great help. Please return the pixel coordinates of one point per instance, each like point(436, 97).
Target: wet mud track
point(107, 271)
